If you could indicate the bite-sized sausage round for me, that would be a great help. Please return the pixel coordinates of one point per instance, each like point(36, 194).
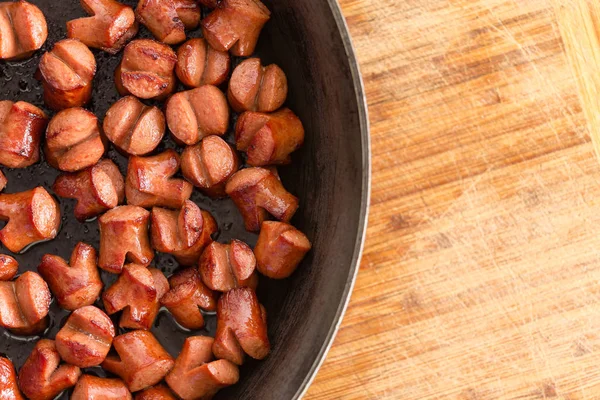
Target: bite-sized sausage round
point(199, 64)
point(75, 285)
point(8, 267)
point(168, 19)
point(258, 192)
point(86, 338)
point(33, 216)
point(141, 361)
point(66, 73)
point(269, 139)
point(110, 26)
point(279, 249)
point(197, 113)
point(23, 29)
point(91, 387)
point(228, 266)
point(21, 128)
point(9, 389)
point(209, 164)
point(133, 127)
point(73, 140)
point(43, 377)
point(146, 70)
point(235, 25)
point(158, 392)
point(24, 304)
point(256, 88)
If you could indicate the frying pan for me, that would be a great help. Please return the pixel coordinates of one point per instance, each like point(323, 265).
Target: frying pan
point(310, 41)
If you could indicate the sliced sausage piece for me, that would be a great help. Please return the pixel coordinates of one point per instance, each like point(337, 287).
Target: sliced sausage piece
point(147, 70)
point(75, 285)
point(199, 64)
point(33, 216)
point(8, 267)
point(150, 181)
point(43, 377)
point(86, 338)
point(161, 18)
point(110, 26)
point(269, 139)
point(256, 88)
point(158, 392)
point(93, 388)
point(187, 297)
point(124, 236)
point(235, 25)
point(197, 113)
point(195, 375)
point(184, 233)
point(21, 128)
point(137, 292)
point(241, 327)
point(188, 12)
point(133, 127)
point(258, 192)
point(23, 30)
point(9, 389)
point(228, 266)
point(66, 73)
point(3, 181)
point(73, 140)
point(24, 304)
point(209, 164)
point(140, 361)
point(279, 249)
point(97, 189)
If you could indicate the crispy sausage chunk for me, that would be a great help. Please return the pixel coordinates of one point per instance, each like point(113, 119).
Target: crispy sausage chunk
point(140, 361)
point(133, 127)
point(73, 140)
point(8, 267)
point(241, 327)
point(24, 304)
point(124, 236)
point(258, 191)
point(183, 233)
point(279, 249)
point(235, 25)
point(97, 189)
point(158, 392)
point(93, 388)
point(23, 30)
point(21, 128)
point(66, 73)
point(150, 181)
point(269, 139)
point(77, 285)
point(9, 390)
point(43, 377)
point(146, 70)
point(110, 26)
point(137, 292)
point(228, 266)
point(168, 19)
point(33, 216)
point(197, 113)
point(195, 375)
point(199, 64)
point(209, 164)
point(256, 88)
point(187, 297)
point(86, 338)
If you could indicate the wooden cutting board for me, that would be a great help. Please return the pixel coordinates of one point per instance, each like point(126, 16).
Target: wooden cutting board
point(481, 273)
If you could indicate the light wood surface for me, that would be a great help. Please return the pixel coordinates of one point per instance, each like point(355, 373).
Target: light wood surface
point(481, 273)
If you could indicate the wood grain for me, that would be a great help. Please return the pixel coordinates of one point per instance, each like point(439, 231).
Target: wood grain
point(481, 273)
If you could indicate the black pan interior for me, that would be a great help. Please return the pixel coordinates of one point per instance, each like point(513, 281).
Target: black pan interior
point(329, 175)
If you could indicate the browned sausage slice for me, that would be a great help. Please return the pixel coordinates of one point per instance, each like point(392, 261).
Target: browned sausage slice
point(279, 249)
point(228, 266)
point(109, 28)
point(23, 30)
point(161, 18)
point(256, 88)
point(158, 392)
point(199, 64)
point(9, 389)
point(93, 388)
point(21, 128)
point(8, 267)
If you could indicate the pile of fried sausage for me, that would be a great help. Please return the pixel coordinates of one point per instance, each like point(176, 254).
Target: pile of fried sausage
point(148, 208)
